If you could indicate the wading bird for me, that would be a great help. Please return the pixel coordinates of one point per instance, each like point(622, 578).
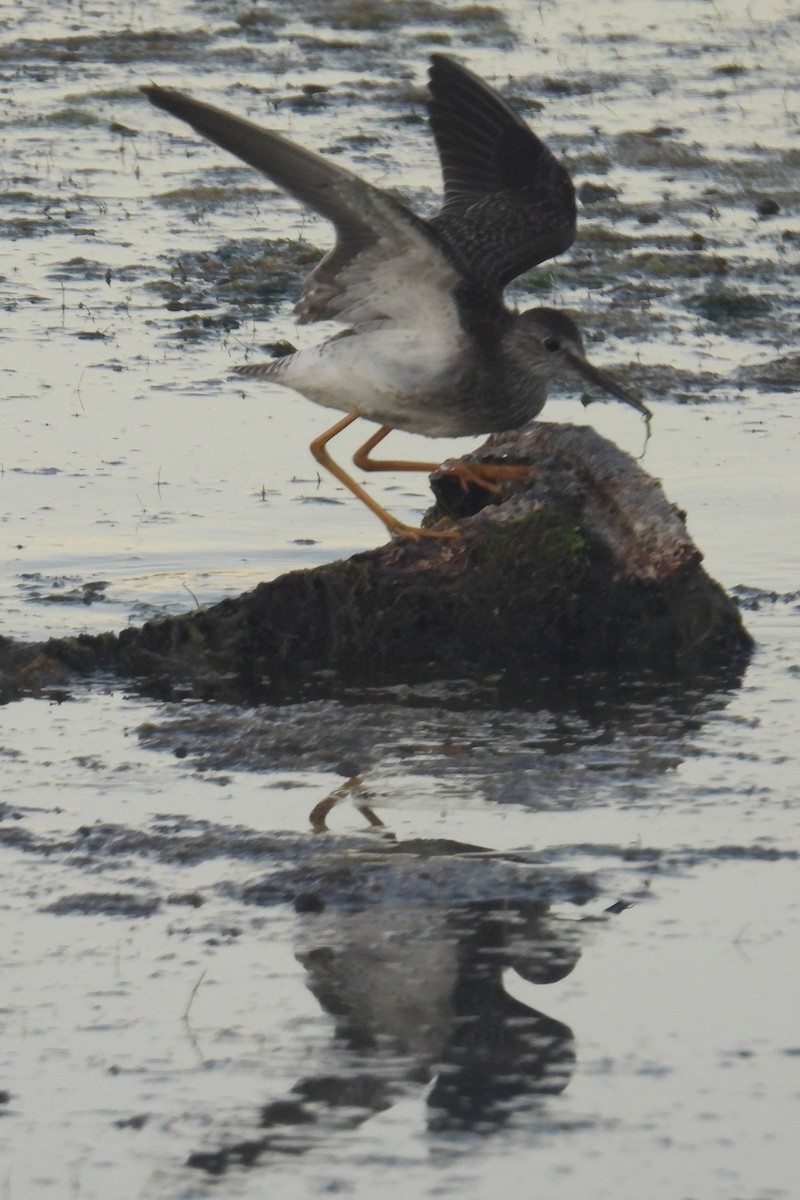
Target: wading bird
point(430, 345)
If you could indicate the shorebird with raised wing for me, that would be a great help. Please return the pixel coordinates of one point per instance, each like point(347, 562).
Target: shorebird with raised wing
point(430, 346)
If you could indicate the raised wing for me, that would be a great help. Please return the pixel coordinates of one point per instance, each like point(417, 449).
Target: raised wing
point(508, 203)
point(387, 262)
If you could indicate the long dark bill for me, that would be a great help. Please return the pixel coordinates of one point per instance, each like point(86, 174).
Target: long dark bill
point(605, 383)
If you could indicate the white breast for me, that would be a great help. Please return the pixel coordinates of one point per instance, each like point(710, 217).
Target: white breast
point(388, 372)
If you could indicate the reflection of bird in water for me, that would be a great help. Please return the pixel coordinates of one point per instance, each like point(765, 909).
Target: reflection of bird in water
point(502, 1053)
point(437, 995)
point(431, 346)
point(417, 997)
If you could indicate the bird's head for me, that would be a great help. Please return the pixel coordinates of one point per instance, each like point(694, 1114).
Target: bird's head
point(553, 346)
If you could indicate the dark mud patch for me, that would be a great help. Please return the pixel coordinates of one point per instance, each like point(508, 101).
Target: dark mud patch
point(354, 872)
point(107, 904)
point(124, 46)
point(723, 305)
point(754, 598)
point(219, 289)
point(658, 148)
point(373, 16)
point(63, 589)
point(313, 872)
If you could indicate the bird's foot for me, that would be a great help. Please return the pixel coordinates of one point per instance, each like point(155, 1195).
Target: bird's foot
point(442, 529)
point(488, 476)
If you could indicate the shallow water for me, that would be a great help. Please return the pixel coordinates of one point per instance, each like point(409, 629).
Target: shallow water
point(181, 954)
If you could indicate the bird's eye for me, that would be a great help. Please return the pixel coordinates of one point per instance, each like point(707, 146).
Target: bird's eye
point(552, 344)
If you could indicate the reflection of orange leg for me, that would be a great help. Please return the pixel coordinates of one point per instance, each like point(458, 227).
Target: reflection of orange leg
point(481, 474)
point(395, 527)
point(320, 811)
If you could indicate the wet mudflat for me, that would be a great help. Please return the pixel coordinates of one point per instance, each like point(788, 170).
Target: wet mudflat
point(569, 953)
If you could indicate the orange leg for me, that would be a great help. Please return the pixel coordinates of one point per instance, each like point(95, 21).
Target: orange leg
point(481, 474)
point(396, 528)
point(362, 459)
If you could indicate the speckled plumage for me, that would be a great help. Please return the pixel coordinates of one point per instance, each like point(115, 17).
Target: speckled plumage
point(430, 345)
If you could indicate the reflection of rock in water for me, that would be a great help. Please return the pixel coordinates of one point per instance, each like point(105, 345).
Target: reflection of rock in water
point(416, 992)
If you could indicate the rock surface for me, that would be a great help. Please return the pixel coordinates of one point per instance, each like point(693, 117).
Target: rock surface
point(584, 566)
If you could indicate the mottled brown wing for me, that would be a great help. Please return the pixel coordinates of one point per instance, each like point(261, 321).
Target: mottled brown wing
point(387, 262)
point(508, 203)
